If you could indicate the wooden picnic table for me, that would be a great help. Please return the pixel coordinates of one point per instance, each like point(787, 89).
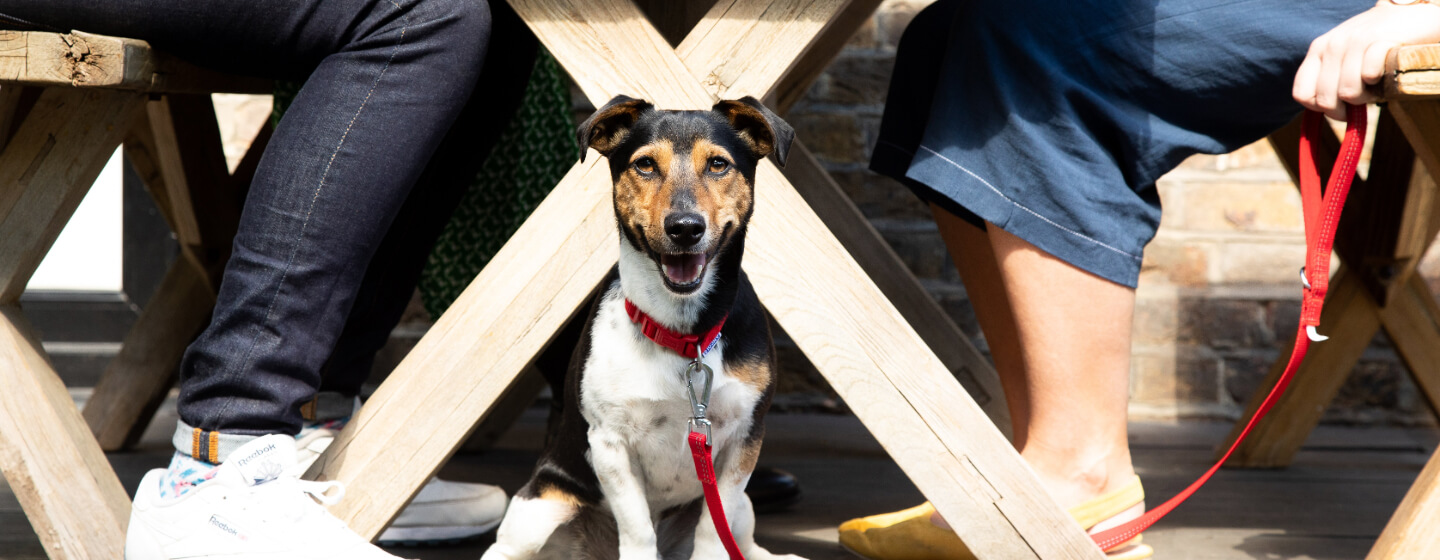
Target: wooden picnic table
point(84, 94)
point(67, 100)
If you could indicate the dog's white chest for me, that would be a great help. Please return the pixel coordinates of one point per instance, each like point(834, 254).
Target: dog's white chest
point(633, 392)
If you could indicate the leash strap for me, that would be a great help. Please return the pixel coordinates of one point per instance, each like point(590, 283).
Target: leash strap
point(705, 470)
point(694, 347)
point(1322, 215)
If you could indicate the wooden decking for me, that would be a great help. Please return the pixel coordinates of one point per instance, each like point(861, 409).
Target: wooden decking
point(1330, 504)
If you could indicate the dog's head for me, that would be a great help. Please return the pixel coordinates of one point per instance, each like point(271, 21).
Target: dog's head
point(684, 180)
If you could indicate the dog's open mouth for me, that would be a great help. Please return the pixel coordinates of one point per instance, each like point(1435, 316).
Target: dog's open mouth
point(683, 272)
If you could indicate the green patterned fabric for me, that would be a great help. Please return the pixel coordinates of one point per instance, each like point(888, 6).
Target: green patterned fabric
point(531, 156)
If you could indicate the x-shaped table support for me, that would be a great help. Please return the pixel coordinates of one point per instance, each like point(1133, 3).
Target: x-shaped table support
point(802, 273)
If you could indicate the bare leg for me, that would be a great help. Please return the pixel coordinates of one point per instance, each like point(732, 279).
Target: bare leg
point(1060, 338)
point(970, 249)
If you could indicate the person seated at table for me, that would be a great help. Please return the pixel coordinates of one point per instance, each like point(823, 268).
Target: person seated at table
point(1036, 132)
point(377, 148)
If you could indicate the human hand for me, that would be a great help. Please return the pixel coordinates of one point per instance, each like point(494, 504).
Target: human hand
point(1343, 61)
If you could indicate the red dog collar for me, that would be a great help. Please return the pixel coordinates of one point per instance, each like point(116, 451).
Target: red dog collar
point(687, 345)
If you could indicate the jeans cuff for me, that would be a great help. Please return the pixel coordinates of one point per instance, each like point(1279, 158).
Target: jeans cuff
point(329, 405)
point(205, 445)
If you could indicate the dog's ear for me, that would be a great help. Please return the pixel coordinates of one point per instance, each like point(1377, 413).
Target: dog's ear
point(609, 126)
point(761, 130)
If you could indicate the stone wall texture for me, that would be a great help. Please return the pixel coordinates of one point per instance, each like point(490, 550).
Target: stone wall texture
point(1218, 295)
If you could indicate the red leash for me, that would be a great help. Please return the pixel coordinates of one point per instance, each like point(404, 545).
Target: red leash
point(705, 469)
point(1322, 214)
point(695, 347)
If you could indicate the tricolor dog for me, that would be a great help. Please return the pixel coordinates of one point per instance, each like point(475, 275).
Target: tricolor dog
point(617, 478)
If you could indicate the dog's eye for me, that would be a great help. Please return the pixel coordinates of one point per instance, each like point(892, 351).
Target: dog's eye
point(718, 165)
point(644, 165)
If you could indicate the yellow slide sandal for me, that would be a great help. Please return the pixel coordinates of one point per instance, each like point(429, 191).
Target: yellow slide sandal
point(909, 534)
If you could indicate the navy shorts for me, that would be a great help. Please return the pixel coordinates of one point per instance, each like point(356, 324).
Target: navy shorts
point(1053, 119)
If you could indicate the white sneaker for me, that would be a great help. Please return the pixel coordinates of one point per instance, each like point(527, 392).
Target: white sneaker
point(255, 508)
point(442, 512)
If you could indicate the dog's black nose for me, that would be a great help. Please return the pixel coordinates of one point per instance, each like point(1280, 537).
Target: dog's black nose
point(685, 229)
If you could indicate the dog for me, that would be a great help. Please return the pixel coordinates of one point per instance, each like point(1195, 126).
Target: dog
point(616, 478)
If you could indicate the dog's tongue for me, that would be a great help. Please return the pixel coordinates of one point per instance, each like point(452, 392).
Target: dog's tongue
point(683, 269)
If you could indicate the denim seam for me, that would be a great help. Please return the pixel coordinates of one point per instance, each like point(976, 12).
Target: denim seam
point(284, 273)
point(1017, 204)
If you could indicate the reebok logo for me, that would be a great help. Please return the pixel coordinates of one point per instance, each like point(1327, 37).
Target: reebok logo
point(253, 456)
point(223, 526)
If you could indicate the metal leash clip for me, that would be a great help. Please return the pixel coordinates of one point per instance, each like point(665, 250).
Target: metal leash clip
point(1310, 330)
point(698, 403)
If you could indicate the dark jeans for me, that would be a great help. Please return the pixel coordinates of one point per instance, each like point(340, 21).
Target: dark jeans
point(356, 183)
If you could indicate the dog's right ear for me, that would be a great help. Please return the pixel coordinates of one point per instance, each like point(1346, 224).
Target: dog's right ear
point(609, 126)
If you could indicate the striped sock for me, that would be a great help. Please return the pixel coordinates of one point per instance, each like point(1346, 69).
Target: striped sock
point(185, 473)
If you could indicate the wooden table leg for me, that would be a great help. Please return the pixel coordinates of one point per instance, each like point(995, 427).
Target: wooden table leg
point(867, 351)
point(137, 380)
point(903, 394)
point(58, 472)
point(1350, 320)
point(883, 266)
point(1385, 229)
point(177, 153)
point(861, 240)
point(1411, 532)
point(1413, 322)
point(1414, 529)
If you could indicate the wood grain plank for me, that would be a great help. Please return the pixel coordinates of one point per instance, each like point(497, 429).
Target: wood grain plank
point(883, 266)
point(592, 36)
point(10, 111)
point(137, 380)
point(748, 47)
point(901, 391)
point(60, 476)
point(1414, 529)
point(1413, 322)
point(175, 180)
point(82, 59)
point(818, 57)
point(47, 168)
point(1412, 72)
point(507, 410)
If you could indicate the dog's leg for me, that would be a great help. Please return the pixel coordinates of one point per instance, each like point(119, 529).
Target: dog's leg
point(741, 516)
point(625, 494)
point(528, 524)
point(743, 526)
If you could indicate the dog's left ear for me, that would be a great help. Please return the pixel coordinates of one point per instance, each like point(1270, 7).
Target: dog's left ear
point(761, 130)
point(607, 128)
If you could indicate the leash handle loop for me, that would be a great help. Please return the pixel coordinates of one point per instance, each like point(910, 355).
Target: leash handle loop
point(1322, 215)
